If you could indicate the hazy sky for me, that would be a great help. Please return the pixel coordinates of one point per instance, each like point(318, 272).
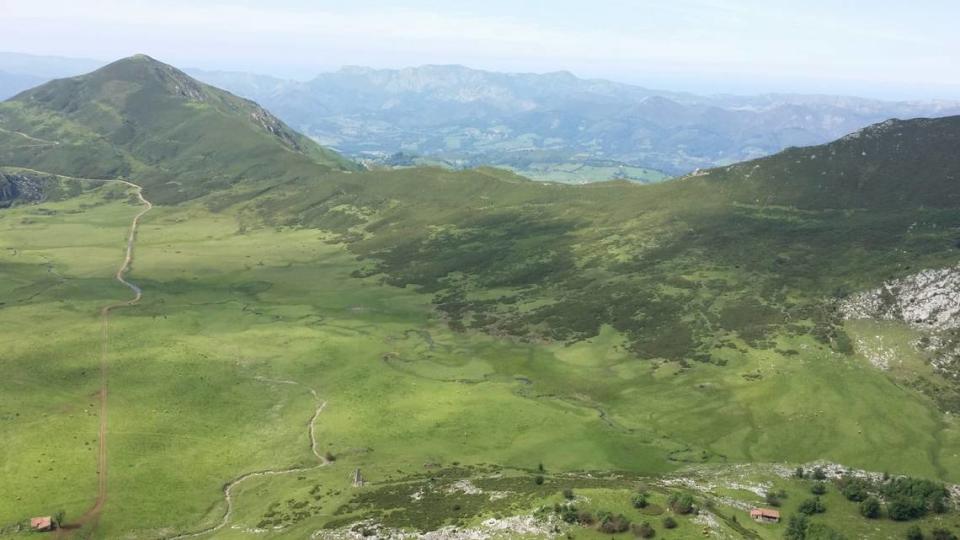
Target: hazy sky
point(884, 48)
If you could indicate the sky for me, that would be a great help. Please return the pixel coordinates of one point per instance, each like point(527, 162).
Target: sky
point(876, 48)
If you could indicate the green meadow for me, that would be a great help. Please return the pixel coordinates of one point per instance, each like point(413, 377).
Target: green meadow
point(201, 373)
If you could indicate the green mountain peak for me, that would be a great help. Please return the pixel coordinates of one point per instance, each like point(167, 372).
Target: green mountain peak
point(139, 116)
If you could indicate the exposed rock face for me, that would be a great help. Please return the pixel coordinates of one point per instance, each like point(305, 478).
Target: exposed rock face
point(490, 529)
point(929, 300)
point(8, 190)
point(15, 187)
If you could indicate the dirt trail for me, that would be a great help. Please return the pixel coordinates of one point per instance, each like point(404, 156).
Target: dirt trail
point(41, 142)
point(89, 519)
point(228, 488)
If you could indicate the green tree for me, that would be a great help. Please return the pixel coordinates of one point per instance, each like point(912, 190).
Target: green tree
point(797, 527)
point(870, 508)
point(639, 500)
point(812, 506)
point(914, 533)
point(855, 489)
point(905, 508)
point(613, 524)
point(58, 518)
point(669, 523)
point(772, 499)
point(818, 488)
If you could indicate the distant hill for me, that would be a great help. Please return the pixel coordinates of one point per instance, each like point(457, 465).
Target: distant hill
point(14, 83)
point(140, 117)
point(471, 117)
point(19, 72)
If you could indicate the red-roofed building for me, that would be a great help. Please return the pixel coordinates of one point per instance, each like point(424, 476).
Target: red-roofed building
point(765, 515)
point(44, 523)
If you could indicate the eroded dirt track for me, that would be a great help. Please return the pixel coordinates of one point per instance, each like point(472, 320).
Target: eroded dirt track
point(88, 521)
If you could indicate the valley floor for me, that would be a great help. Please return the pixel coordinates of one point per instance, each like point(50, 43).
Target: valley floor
point(223, 369)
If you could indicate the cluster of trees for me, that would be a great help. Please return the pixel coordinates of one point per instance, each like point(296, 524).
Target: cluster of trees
point(610, 523)
point(816, 473)
point(906, 498)
point(812, 506)
point(912, 498)
point(570, 514)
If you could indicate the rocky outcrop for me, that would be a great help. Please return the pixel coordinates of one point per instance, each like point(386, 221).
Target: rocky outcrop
point(18, 188)
point(8, 190)
point(929, 300)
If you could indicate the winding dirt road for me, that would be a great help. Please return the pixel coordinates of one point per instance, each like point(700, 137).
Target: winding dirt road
point(90, 517)
point(228, 488)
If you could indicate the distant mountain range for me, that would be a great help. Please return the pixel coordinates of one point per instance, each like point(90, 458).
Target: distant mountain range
point(548, 126)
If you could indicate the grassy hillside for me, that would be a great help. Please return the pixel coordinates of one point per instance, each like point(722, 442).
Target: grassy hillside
point(475, 342)
point(139, 117)
point(683, 269)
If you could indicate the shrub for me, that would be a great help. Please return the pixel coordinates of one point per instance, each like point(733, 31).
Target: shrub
point(870, 508)
point(681, 503)
point(942, 534)
point(669, 523)
point(644, 530)
point(614, 524)
point(568, 494)
point(818, 474)
point(855, 489)
point(568, 513)
point(585, 518)
point(812, 506)
point(914, 533)
point(798, 473)
point(818, 488)
point(905, 509)
point(639, 500)
point(538, 480)
point(772, 499)
point(797, 527)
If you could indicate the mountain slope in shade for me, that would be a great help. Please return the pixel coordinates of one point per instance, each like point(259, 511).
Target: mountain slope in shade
point(754, 250)
point(896, 165)
point(140, 117)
